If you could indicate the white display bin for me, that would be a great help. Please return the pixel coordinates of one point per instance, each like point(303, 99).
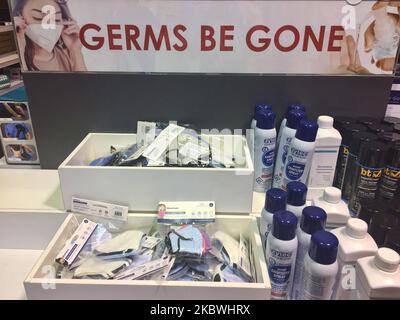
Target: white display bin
point(142, 188)
point(39, 286)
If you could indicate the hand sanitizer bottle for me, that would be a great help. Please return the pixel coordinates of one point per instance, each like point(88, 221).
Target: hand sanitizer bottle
point(264, 151)
point(313, 219)
point(292, 107)
point(320, 267)
point(275, 201)
point(281, 254)
point(337, 210)
point(354, 243)
point(378, 277)
point(323, 165)
point(301, 151)
point(296, 198)
point(258, 109)
point(288, 133)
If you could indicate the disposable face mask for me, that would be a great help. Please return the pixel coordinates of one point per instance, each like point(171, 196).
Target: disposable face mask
point(125, 244)
point(98, 268)
point(186, 241)
point(45, 38)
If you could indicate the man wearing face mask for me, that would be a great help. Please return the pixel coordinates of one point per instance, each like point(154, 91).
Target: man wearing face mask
point(47, 49)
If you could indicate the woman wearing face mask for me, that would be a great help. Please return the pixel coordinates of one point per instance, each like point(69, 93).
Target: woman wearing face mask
point(47, 49)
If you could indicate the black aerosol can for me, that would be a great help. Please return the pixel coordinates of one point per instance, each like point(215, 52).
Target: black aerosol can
point(390, 181)
point(369, 169)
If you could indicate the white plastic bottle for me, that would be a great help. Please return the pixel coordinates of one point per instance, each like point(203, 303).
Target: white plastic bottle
point(301, 151)
point(292, 107)
point(275, 201)
point(296, 198)
point(320, 267)
point(336, 209)
point(312, 220)
point(264, 151)
point(281, 254)
point(259, 108)
point(288, 133)
point(354, 243)
point(323, 165)
point(378, 277)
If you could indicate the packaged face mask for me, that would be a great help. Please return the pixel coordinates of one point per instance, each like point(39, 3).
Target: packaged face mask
point(226, 274)
point(123, 245)
point(99, 268)
point(45, 38)
point(178, 270)
point(187, 241)
point(225, 248)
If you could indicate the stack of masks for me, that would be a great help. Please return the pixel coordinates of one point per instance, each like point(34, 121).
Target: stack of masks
point(185, 253)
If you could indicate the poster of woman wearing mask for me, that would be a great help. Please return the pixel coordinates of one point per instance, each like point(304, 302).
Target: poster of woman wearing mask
point(47, 49)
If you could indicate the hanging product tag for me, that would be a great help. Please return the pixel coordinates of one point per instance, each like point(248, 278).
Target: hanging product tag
point(100, 209)
point(76, 243)
point(146, 133)
point(155, 150)
point(186, 212)
point(144, 269)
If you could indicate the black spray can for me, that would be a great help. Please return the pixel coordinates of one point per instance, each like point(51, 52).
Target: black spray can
point(344, 152)
point(359, 140)
point(390, 181)
point(369, 169)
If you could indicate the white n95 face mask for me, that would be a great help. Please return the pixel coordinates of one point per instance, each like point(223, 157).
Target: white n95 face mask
point(45, 38)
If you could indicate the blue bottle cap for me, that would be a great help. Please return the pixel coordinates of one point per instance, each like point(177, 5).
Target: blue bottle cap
point(261, 108)
point(313, 219)
point(266, 120)
point(294, 117)
point(284, 225)
point(323, 247)
point(307, 130)
point(296, 193)
point(295, 107)
point(275, 200)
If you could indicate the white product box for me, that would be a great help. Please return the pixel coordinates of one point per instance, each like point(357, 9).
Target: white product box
point(38, 284)
point(141, 188)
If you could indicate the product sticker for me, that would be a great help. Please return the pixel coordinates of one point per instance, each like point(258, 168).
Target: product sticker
point(155, 150)
point(100, 209)
point(186, 212)
point(323, 167)
point(389, 183)
point(194, 151)
point(76, 243)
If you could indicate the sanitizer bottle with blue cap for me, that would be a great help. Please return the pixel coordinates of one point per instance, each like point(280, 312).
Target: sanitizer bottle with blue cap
point(275, 201)
point(296, 198)
point(258, 109)
point(301, 151)
point(281, 254)
point(312, 220)
point(288, 133)
point(264, 151)
point(320, 267)
point(292, 107)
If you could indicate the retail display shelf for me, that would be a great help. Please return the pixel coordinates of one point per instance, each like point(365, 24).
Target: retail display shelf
point(8, 59)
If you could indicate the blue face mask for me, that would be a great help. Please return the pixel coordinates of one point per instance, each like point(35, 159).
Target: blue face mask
point(186, 241)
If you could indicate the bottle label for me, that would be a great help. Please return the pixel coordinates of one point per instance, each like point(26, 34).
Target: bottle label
point(389, 183)
point(366, 186)
point(301, 253)
point(323, 167)
point(297, 166)
point(282, 154)
point(316, 288)
point(264, 165)
point(280, 268)
point(343, 157)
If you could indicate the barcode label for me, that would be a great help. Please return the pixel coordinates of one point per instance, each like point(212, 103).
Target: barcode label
point(100, 209)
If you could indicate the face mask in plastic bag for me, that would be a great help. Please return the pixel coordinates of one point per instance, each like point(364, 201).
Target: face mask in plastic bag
point(99, 268)
point(45, 38)
point(206, 270)
point(123, 245)
point(225, 248)
point(178, 270)
point(187, 241)
point(226, 274)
